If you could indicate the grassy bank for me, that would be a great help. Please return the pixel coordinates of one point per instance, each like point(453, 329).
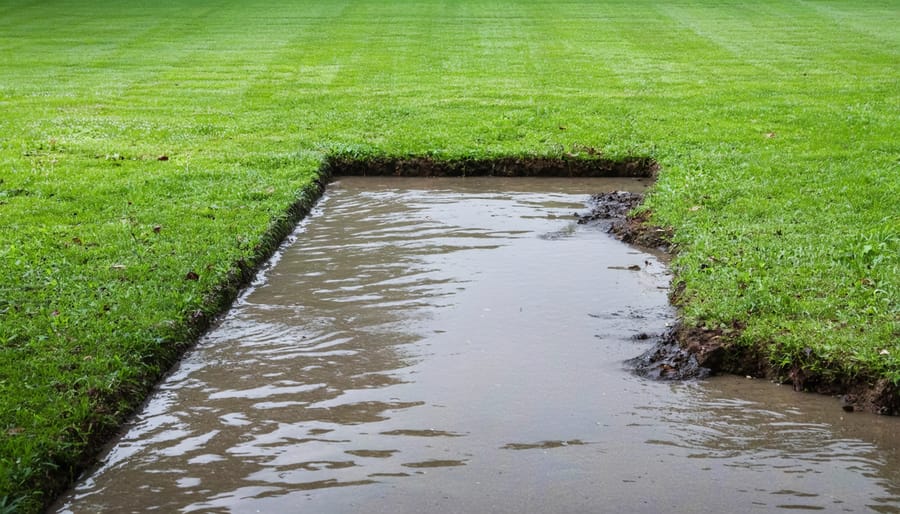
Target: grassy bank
point(146, 153)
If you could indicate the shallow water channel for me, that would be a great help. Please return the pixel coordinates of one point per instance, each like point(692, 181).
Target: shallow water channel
point(457, 345)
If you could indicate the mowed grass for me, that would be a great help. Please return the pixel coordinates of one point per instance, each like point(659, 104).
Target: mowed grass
point(147, 148)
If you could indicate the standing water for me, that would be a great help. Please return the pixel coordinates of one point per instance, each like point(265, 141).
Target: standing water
point(456, 345)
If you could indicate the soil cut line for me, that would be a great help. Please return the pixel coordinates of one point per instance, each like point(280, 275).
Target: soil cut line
point(686, 352)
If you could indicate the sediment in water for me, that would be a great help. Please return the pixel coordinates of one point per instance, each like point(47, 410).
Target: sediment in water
point(699, 350)
point(113, 409)
point(715, 350)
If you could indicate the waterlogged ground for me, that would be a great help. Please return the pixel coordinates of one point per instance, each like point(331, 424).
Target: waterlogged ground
point(456, 346)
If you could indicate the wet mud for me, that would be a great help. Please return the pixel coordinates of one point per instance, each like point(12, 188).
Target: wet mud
point(611, 210)
point(460, 346)
point(693, 352)
point(585, 162)
point(668, 360)
point(610, 206)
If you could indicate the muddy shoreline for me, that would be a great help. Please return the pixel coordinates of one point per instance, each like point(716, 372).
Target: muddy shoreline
point(711, 350)
point(695, 352)
point(588, 165)
point(419, 336)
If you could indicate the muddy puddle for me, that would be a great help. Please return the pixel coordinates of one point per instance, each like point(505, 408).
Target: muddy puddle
point(457, 345)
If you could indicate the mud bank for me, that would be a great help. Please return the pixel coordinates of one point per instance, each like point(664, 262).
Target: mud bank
point(612, 209)
point(500, 167)
point(695, 352)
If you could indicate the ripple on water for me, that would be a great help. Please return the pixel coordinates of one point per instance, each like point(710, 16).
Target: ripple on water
point(460, 349)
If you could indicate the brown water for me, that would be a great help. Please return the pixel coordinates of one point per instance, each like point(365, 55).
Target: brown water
point(456, 346)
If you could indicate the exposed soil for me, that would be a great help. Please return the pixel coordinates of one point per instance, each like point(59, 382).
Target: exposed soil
point(696, 352)
point(682, 353)
point(613, 208)
point(501, 167)
point(667, 360)
point(717, 351)
point(111, 410)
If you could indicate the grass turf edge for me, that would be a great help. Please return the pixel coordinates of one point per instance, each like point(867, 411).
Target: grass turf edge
point(718, 349)
point(522, 166)
point(723, 350)
point(113, 410)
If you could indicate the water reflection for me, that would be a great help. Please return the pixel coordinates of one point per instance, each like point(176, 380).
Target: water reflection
point(457, 347)
point(810, 453)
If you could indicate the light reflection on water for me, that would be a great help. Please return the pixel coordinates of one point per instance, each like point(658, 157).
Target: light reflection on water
point(459, 350)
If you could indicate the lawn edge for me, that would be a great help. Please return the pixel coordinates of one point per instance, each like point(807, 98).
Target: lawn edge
point(505, 166)
point(98, 432)
point(715, 349)
point(721, 351)
point(112, 411)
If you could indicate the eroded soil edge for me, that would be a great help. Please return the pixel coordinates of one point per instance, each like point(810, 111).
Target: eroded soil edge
point(686, 352)
point(500, 167)
point(112, 410)
point(683, 352)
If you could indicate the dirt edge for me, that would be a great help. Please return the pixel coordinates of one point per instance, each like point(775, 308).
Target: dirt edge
point(703, 350)
point(713, 349)
point(524, 166)
point(718, 350)
point(112, 411)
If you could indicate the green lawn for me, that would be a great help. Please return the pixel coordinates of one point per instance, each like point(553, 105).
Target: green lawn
point(146, 150)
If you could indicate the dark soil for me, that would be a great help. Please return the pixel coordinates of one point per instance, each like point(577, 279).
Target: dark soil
point(718, 351)
point(502, 167)
point(697, 352)
point(613, 209)
point(667, 360)
point(614, 205)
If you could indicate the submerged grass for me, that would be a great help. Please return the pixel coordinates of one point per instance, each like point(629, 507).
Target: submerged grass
point(147, 152)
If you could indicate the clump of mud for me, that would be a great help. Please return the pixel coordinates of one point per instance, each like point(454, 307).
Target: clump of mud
point(613, 208)
point(686, 353)
point(613, 205)
point(668, 360)
point(880, 397)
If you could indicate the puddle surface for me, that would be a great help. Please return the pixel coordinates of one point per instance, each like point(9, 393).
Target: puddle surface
point(435, 345)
